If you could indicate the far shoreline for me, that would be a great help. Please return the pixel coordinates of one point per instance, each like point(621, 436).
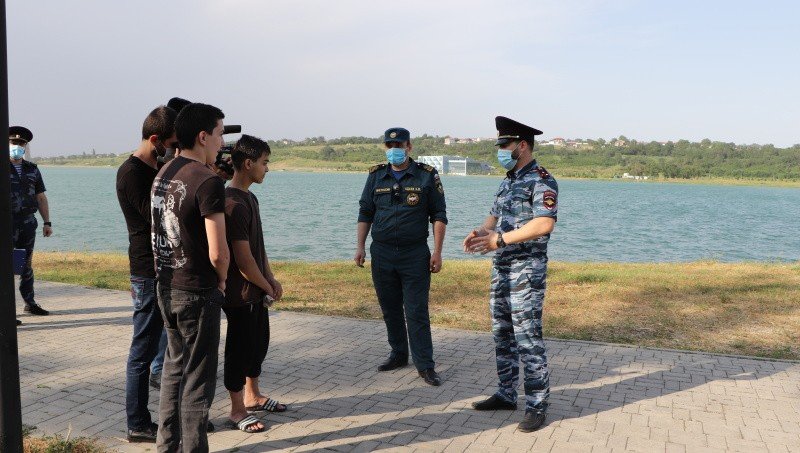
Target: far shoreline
point(791, 184)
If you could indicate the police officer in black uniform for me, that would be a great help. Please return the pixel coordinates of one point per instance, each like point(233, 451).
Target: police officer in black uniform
point(400, 200)
point(27, 197)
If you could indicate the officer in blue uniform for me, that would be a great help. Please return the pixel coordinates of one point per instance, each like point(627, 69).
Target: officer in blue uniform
point(517, 230)
point(27, 197)
point(400, 201)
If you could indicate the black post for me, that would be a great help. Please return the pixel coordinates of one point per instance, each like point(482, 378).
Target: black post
point(10, 406)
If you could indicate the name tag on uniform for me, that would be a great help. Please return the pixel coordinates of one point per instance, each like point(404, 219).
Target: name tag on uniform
point(414, 189)
point(383, 190)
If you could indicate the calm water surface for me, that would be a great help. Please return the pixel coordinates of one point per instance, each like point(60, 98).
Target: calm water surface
point(312, 217)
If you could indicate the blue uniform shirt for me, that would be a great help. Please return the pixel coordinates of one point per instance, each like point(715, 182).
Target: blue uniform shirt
point(525, 194)
point(24, 188)
point(400, 211)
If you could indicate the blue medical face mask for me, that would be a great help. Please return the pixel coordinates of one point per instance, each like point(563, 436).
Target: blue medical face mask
point(396, 156)
point(505, 159)
point(16, 151)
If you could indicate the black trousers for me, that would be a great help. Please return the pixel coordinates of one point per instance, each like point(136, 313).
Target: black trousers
point(246, 344)
point(402, 279)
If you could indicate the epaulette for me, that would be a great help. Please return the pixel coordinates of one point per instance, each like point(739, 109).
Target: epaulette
point(375, 168)
point(542, 172)
point(425, 167)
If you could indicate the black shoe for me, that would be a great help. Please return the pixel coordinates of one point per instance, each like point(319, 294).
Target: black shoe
point(144, 435)
point(531, 422)
point(393, 362)
point(35, 309)
point(155, 381)
point(210, 427)
point(19, 323)
point(431, 377)
point(494, 403)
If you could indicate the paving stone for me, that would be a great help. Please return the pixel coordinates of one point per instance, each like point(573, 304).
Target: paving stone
point(603, 397)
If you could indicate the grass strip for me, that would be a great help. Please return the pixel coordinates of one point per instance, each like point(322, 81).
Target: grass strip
point(734, 308)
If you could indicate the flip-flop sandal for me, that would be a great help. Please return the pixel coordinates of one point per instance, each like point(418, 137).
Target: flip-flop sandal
point(246, 425)
point(270, 405)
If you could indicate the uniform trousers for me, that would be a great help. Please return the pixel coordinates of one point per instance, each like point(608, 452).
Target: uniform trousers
point(402, 279)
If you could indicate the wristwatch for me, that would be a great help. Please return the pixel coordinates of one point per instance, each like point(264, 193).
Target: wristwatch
point(48, 224)
point(500, 241)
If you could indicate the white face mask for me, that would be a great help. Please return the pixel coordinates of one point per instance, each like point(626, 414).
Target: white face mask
point(16, 152)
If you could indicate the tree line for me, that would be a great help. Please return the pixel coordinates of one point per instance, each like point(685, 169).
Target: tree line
point(598, 158)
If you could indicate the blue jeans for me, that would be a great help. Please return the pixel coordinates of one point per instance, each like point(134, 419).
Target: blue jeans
point(147, 328)
point(158, 362)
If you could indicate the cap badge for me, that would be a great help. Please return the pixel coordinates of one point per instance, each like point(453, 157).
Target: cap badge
point(393, 135)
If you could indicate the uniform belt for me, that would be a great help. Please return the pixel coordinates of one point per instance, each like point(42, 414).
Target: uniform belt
point(402, 244)
point(22, 215)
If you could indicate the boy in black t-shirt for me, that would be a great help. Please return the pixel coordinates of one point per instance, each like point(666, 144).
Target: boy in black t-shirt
point(191, 258)
point(134, 181)
point(250, 284)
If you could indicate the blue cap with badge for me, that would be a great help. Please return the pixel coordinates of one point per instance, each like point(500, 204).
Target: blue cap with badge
point(20, 133)
point(396, 134)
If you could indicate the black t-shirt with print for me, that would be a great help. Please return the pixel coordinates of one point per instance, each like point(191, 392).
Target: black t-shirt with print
point(184, 193)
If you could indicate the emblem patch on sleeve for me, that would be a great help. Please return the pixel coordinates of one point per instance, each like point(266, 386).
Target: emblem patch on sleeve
point(438, 182)
point(549, 199)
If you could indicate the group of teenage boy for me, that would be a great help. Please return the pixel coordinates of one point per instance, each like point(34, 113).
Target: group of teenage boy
point(196, 249)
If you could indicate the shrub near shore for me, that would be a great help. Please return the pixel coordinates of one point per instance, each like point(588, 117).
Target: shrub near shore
point(736, 308)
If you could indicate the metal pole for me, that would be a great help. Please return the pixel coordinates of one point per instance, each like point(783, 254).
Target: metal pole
point(10, 406)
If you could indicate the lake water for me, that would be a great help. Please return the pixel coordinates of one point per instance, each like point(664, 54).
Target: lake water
point(312, 217)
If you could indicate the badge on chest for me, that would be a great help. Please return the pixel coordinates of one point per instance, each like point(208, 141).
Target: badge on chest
point(412, 199)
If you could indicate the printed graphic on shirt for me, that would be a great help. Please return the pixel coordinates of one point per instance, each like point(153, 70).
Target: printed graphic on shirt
point(166, 202)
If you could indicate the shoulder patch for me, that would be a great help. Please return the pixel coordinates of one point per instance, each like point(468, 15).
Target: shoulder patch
point(549, 199)
point(375, 168)
point(425, 167)
point(542, 172)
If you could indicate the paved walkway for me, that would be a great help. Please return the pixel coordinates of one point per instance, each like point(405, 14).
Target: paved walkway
point(604, 397)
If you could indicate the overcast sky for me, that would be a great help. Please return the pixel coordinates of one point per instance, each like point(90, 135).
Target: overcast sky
point(84, 74)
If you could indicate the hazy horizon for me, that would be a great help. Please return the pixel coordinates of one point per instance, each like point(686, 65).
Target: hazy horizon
point(84, 74)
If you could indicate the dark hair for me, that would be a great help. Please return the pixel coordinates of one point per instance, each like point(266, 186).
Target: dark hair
point(193, 119)
point(248, 147)
point(160, 122)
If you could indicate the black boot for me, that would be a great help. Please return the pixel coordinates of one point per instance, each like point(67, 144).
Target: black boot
point(532, 421)
point(431, 377)
point(143, 435)
point(35, 309)
point(494, 403)
point(393, 362)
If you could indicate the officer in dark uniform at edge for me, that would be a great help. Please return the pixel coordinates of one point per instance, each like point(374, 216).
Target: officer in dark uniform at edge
point(27, 197)
point(399, 200)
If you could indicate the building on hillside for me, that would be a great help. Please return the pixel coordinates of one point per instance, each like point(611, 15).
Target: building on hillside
point(449, 141)
point(456, 165)
point(620, 142)
point(558, 141)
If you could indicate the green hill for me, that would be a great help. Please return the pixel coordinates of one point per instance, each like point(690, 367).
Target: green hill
point(596, 159)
